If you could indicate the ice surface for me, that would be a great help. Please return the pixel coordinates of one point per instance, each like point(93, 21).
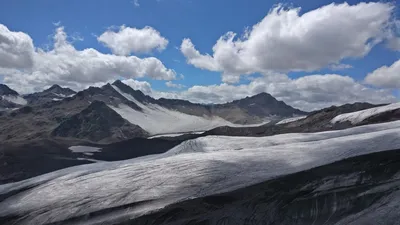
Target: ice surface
point(156, 119)
point(193, 169)
point(15, 99)
point(359, 116)
point(288, 120)
point(84, 149)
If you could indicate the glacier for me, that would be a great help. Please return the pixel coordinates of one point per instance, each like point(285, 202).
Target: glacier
point(123, 190)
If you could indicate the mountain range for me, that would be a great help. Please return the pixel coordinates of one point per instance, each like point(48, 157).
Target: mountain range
point(183, 164)
point(118, 112)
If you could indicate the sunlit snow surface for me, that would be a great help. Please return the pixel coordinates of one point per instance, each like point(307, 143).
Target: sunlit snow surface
point(159, 120)
point(359, 116)
point(195, 168)
point(15, 99)
point(288, 120)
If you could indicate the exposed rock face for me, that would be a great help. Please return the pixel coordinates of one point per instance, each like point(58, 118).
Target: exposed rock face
point(359, 190)
point(98, 123)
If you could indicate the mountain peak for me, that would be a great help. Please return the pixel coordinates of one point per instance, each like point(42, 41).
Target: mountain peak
point(57, 89)
point(5, 90)
point(54, 86)
point(118, 82)
point(137, 94)
point(262, 95)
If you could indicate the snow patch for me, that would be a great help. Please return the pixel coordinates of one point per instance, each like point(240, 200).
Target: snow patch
point(185, 172)
point(84, 149)
point(359, 116)
point(288, 120)
point(90, 160)
point(15, 99)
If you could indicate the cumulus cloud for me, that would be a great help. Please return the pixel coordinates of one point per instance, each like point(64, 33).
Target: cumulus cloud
point(142, 86)
point(70, 67)
point(16, 49)
point(285, 40)
point(128, 40)
point(385, 76)
point(393, 37)
point(173, 85)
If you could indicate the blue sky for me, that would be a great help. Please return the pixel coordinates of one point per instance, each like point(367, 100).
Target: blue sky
point(203, 21)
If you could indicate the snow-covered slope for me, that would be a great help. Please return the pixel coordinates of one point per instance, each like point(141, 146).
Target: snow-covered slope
point(288, 120)
point(359, 116)
point(193, 169)
point(14, 99)
point(159, 120)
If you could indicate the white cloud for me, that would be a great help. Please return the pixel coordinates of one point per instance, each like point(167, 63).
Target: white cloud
point(393, 37)
point(143, 86)
point(336, 67)
point(173, 85)
point(16, 49)
point(285, 40)
point(68, 66)
point(386, 77)
point(136, 3)
point(129, 40)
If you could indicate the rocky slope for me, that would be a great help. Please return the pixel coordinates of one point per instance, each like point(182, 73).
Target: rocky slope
point(98, 123)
